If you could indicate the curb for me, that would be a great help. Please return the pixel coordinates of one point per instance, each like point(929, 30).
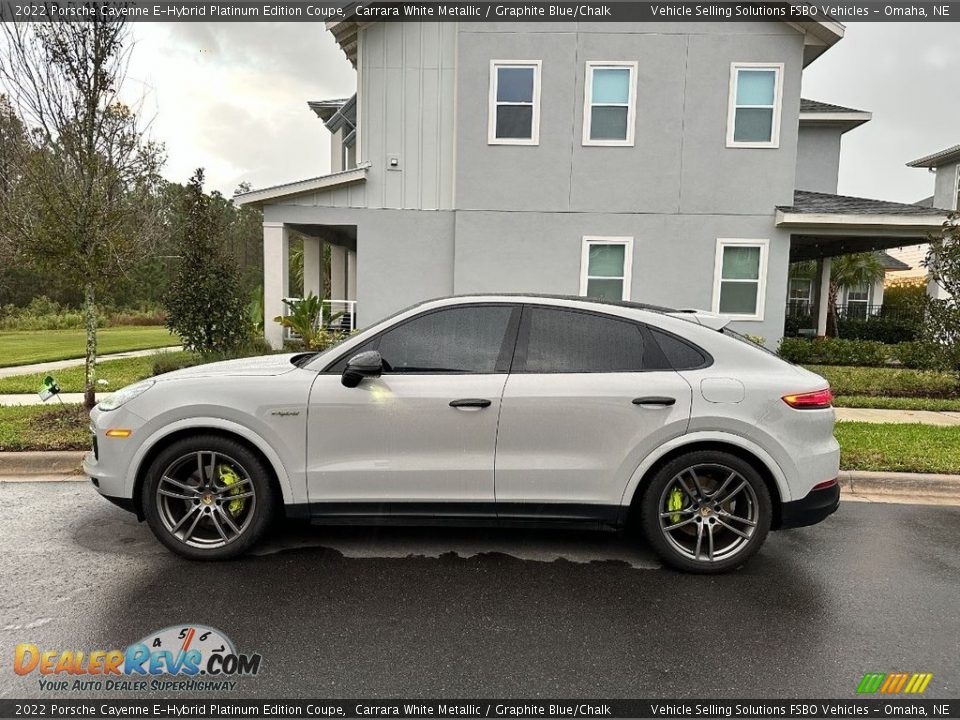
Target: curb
point(897, 483)
point(42, 463)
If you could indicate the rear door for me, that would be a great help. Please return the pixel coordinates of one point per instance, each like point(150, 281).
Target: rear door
point(588, 397)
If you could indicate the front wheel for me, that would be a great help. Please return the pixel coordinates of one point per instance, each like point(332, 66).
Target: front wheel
point(208, 498)
point(706, 512)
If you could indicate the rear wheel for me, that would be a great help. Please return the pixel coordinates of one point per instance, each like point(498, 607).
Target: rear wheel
point(208, 498)
point(706, 512)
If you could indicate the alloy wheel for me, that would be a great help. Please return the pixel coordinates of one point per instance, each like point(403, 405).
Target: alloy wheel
point(206, 499)
point(708, 512)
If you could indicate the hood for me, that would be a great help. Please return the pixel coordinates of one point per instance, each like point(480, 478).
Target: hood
point(262, 365)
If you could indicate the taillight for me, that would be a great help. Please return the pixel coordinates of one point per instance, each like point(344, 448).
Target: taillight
point(825, 484)
point(816, 400)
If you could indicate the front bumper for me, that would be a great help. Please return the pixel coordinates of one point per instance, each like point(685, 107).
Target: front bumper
point(816, 506)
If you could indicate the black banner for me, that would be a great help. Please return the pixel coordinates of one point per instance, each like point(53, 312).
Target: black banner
point(231, 708)
point(467, 11)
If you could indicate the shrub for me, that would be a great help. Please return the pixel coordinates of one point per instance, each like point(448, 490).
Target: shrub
point(888, 382)
point(922, 355)
point(834, 351)
point(881, 329)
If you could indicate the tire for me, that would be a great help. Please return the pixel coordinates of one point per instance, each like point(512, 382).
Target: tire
point(706, 508)
point(216, 516)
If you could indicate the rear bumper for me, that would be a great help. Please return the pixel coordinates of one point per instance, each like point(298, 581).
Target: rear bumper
point(809, 510)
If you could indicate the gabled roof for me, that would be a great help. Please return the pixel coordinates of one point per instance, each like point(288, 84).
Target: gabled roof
point(298, 187)
point(814, 112)
point(815, 106)
point(891, 263)
point(950, 155)
point(325, 109)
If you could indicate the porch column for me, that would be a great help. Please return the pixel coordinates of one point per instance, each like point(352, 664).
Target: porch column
point(823, 296)
point(313, 266)
point(351, 275)
point(276, 279)
point(338, 273)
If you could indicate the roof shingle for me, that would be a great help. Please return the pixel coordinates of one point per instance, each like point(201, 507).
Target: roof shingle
point(806, 202)
point(815, 106)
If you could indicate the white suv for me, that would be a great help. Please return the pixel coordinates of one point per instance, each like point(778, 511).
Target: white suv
point(500, 410)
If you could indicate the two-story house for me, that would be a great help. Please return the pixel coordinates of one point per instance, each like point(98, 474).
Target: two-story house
point(669, 163)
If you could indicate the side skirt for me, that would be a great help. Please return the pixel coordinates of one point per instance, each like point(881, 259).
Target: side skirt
point(470, 514)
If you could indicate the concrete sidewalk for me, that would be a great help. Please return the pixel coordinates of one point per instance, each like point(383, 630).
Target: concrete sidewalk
point(870, 415)
point(61, 364)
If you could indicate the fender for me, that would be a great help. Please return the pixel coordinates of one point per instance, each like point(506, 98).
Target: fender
point(194, 423)
point(707, 436)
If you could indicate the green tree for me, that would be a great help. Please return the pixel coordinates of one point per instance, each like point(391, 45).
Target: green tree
point(84, 206)
point(205, 302)
point(850, 271)
point(943, 315)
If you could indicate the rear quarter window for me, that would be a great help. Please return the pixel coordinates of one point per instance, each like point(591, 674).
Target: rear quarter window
point(680, 354)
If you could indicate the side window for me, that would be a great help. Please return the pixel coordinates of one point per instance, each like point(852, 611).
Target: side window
point(679, 354)
point(455, 340)
point(562, 341)
point(514, 112)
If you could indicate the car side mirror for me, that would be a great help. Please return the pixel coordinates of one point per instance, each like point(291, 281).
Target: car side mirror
point(365, 364)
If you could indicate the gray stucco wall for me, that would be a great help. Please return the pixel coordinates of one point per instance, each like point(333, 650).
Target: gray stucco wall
point(818, 158)
point(673, 256)
point(679, 163)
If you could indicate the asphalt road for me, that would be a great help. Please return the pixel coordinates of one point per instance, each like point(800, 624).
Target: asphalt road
point(447, 613)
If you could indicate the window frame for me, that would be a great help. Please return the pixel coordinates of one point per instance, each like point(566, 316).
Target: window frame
point(588, 104)
point(493, 104)
point(732, 106)
point(504, 358)
point(722, 244)
point(585, 277)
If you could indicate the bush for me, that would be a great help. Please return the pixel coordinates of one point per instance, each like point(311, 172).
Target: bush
point(834, 351)
point(41, 314)
point(921, 355)
point(880, 329)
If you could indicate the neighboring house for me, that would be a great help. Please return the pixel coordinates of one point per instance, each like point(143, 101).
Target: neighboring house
point(945, 166)
point(854, 302)
point(669, 163)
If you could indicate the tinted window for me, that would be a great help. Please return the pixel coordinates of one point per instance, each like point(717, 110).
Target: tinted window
point(462, 340)
point(560, 341)
point(681, 355)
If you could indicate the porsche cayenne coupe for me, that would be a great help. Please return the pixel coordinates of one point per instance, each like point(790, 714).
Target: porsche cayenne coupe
point(494, 409)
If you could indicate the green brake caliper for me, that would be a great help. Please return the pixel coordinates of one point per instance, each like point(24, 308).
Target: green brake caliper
point(675, 502)
point(229, 477)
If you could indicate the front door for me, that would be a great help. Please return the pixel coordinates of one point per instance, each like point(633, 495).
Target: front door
point(424, 433)
point(585, 403)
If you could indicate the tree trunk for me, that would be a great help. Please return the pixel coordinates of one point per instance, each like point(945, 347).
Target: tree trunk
point(90, 320)
point(831, 329)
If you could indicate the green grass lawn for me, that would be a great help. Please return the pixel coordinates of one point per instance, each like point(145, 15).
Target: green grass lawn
point(117, 373)
point(900, 447)
point(21, 347)
point(44, 427)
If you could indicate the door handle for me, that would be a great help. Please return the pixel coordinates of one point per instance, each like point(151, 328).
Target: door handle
point(470, 403)
point(661, 401)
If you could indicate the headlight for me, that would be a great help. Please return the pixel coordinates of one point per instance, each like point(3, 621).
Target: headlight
point(125, 395)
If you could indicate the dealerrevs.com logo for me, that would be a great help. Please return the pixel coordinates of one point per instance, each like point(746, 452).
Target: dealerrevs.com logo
point(196, 656)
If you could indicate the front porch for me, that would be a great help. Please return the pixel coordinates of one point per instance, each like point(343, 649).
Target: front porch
point(329, 260)
point(825, 226)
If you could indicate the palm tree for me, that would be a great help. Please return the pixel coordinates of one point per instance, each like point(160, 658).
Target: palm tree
point(850, 271)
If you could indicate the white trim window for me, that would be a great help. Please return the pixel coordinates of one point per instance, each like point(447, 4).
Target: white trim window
point(610, 103)
point(740, 278)
point(605, 267)
point(756, 97)
point(514, 103)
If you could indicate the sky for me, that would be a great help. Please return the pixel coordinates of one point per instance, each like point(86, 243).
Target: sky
point(231, 97)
